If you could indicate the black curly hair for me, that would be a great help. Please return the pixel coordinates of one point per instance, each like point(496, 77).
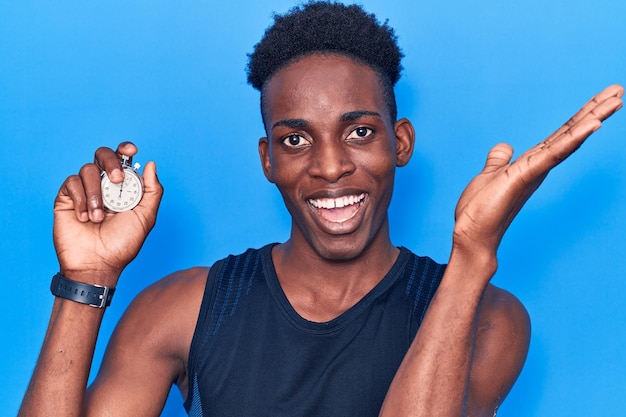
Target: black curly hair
point(328, 27)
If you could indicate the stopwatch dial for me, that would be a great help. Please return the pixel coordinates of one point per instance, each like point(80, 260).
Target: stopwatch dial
point(124, 196)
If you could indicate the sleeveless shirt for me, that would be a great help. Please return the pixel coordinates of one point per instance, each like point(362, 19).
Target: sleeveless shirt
point(252, 354)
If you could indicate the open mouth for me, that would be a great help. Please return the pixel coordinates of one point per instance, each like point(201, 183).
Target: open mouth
point(338, 210)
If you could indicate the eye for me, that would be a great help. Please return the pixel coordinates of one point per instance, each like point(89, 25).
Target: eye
point(360, 132)
point(295, 141)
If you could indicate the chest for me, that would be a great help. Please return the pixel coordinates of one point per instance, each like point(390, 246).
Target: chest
point(254, 355)
point(264, 360)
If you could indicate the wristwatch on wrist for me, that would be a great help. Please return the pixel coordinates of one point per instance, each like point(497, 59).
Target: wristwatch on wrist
point(98, 296)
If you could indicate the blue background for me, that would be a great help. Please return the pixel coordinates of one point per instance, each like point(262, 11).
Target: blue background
point(170, 76)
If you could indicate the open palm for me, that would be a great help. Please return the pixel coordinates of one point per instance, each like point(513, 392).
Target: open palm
point(493, 198)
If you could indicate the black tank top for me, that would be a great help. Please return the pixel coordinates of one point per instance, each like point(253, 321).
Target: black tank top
point(253, 355)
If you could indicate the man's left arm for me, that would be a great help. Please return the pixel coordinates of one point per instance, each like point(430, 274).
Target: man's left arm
point(501, 344)
point(473, 340)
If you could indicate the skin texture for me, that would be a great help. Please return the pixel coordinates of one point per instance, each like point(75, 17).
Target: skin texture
point(347, 145)
point(328, 136)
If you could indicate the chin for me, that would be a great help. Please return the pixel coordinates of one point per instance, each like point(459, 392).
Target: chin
point(343, 250)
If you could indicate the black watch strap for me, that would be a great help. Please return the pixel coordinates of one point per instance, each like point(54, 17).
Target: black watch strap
point(94, 295)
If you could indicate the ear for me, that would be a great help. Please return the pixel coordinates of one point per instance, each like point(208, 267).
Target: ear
point(264, 154)
point(405, 141)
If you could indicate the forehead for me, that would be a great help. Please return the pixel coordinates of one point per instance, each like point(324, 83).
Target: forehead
point(322, 84)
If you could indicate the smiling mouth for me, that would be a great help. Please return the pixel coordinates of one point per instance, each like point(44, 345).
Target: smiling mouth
point(338, 210)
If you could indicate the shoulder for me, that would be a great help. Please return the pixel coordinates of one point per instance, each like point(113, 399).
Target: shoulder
point(175, 287)
point(174, 299)
point(501, 345)
point(167, 311)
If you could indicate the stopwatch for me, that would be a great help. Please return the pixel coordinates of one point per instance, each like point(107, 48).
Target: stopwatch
point(125, 195)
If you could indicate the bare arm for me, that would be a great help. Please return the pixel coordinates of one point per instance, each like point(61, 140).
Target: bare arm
point(454, 366)
point(93, 247)
point(149, 349)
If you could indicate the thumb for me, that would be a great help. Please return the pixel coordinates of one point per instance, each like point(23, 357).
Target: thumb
point(497, 157)
point(153, 190)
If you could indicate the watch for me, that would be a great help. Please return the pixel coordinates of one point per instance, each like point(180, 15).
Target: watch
point(94, 295)
point(125, 195)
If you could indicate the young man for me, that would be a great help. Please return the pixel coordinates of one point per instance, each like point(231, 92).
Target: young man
point(336, 320)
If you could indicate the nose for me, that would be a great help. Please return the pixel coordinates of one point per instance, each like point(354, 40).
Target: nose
point(331, 161)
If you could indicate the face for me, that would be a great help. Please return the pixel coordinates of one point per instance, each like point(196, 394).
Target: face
point(332, 151)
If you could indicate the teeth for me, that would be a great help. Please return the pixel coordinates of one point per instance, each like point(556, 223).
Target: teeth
point(330, 203)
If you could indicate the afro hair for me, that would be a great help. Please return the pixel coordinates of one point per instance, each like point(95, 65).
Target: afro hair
point(322, 26)
point(327, 27)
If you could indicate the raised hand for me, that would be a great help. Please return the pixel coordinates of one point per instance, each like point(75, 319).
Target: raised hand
point(91, 243)
point(493, 198)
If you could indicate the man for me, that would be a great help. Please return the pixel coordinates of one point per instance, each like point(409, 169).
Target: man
point(336, 320)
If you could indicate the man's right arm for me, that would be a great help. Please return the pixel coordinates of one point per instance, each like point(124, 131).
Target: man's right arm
point(93, 247)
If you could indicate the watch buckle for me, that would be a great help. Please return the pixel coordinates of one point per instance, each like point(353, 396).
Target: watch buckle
point(103, 298)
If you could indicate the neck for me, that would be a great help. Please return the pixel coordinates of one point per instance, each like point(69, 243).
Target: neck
point(320, 289)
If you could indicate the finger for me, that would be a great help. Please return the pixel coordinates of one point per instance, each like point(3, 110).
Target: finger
point(565, 141)
point(127, 149)
point(90, 177)
point(611, 94)
point(497, 157)
point(569, 140)
point(539, 160)
point(71, 196)
point(109, 160)
point(153, 192)
point(153, 188)
point(599, 112)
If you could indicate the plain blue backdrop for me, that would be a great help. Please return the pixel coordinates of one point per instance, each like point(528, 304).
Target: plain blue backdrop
point(169, 76)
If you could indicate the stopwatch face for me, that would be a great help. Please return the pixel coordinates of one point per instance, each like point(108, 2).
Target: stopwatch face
point(124, 196)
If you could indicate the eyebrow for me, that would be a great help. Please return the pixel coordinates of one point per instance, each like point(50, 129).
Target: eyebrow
point(291, 123)
point(346, 117)
point(355, 115)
